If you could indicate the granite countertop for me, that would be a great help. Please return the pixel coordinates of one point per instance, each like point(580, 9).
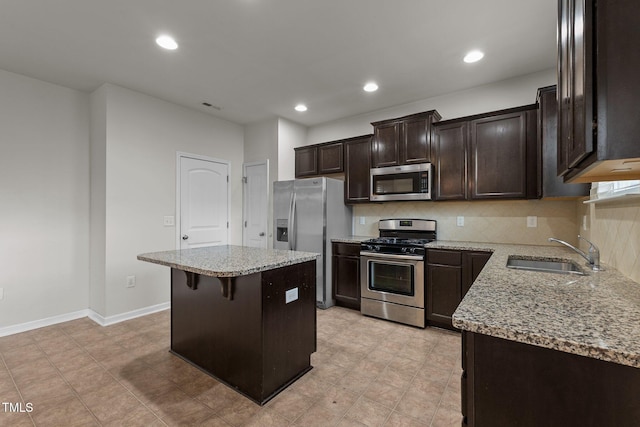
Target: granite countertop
point(351, 239)
point(597, 315)
point(227, 261)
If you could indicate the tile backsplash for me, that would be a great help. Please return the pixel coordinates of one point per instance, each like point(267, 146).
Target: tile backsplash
point(492, 221)
point(615, 228)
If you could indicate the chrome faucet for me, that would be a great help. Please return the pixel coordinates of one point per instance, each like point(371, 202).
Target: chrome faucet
point(592, 257)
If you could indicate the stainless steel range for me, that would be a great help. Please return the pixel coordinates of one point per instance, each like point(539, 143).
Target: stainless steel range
point(392, 270)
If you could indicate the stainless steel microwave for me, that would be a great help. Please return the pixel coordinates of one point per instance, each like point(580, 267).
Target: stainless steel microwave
point(408, 182)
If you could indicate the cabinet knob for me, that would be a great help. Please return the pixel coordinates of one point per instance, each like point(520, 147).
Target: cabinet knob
point(185, 237)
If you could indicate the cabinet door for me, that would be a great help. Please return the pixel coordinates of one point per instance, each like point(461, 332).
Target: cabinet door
point(415, 140)
point(330, 158)
point(385, 148)
point(552, 185)
point(498, 148)
point(472, 265)
point(306, 161)
point(574, 83)
point(357, 160)
point(449, 152)
point(346, 285)
point(443, 292)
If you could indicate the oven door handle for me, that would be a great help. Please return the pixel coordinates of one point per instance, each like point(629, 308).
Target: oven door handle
point(391, 256)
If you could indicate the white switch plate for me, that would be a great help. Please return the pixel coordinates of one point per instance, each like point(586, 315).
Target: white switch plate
point(1, 293)
point(532, 221)
point(291, 295)
point(460, 221)
point(169, 221)
point(362, 220)
point(131, 281)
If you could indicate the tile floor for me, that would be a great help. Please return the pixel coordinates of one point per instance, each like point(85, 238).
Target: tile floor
point(367, 372)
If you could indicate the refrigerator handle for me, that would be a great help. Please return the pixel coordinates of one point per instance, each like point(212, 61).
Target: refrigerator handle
point(292, 223)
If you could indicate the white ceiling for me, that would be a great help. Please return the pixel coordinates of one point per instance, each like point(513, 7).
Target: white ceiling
point(256, 59)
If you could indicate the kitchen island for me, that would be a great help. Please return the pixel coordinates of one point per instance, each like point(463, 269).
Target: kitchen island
point(545, 348)
point(244, 315)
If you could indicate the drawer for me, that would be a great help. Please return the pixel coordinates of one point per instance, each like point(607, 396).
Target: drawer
point(346, 249)
point(444, 256)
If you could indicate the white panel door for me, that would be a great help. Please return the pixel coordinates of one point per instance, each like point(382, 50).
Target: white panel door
point(255, 204)
point(204, 203)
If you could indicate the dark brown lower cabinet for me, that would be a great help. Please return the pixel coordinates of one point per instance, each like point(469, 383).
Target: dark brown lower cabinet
point(506, 384)
point(346, 274)
point(450, 274)
point(258, 338)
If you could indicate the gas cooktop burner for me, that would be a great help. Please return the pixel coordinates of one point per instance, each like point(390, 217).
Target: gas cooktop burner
point(398, 241)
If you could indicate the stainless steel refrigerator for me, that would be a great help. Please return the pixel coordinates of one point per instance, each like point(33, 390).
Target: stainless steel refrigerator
point(307, 214)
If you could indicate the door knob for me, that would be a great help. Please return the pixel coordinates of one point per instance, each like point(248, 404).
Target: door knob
point(185, 237)
point(261, 234)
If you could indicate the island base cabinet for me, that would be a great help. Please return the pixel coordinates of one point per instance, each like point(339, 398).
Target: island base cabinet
point(506, 383)
point(254, 333)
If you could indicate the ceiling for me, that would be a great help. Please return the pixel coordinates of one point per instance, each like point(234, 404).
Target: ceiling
point(256, 59)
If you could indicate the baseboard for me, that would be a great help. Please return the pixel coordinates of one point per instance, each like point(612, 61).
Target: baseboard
point(99, 319)
point(35, 324)
point(117, 318)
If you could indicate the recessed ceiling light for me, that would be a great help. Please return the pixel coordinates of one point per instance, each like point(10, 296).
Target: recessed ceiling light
point(370, 87)
point(167, 42)
point(301, 108)
point(473, 56)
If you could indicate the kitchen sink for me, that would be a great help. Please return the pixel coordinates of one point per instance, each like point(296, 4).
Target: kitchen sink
point(547, 265)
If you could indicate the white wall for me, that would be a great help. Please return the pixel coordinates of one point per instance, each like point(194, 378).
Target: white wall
point(143, 135)
point(98, 168)
point(44, 199)
point(496, 96)
point(261, 143)
point(290, 135)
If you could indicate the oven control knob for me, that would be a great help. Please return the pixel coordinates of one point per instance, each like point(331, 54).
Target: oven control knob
point(403, 250)
point(369, 247)
point(412, 250)
point(377, 247)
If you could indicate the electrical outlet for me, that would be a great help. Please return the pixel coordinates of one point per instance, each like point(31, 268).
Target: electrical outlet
point(532, 221)
point(362, 220)
point(460, 221)
point(1, 293)
point(131, 281)
point(169, 221)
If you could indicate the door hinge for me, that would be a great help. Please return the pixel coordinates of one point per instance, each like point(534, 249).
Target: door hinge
point(244, 179)
point(227, 178)
point(245, 224)
point(227, 224)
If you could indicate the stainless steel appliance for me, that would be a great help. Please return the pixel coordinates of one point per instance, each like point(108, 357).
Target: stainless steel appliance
point(307, 214)
point(392, 270)
point(408, 182)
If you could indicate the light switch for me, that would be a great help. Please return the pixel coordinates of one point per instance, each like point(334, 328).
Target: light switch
point(169, 221)
point(362, 220)
point(532, 221)
point(460, 221)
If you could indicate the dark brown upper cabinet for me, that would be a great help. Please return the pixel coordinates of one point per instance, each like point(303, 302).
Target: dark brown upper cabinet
point(487, 156)
point(319, 159)
point(330, 158)
point(306, 161)
point(357, 153)
point(450, 161)
point(598, 90)
point(551, 184)
point(503, 156)
point(404, 140)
